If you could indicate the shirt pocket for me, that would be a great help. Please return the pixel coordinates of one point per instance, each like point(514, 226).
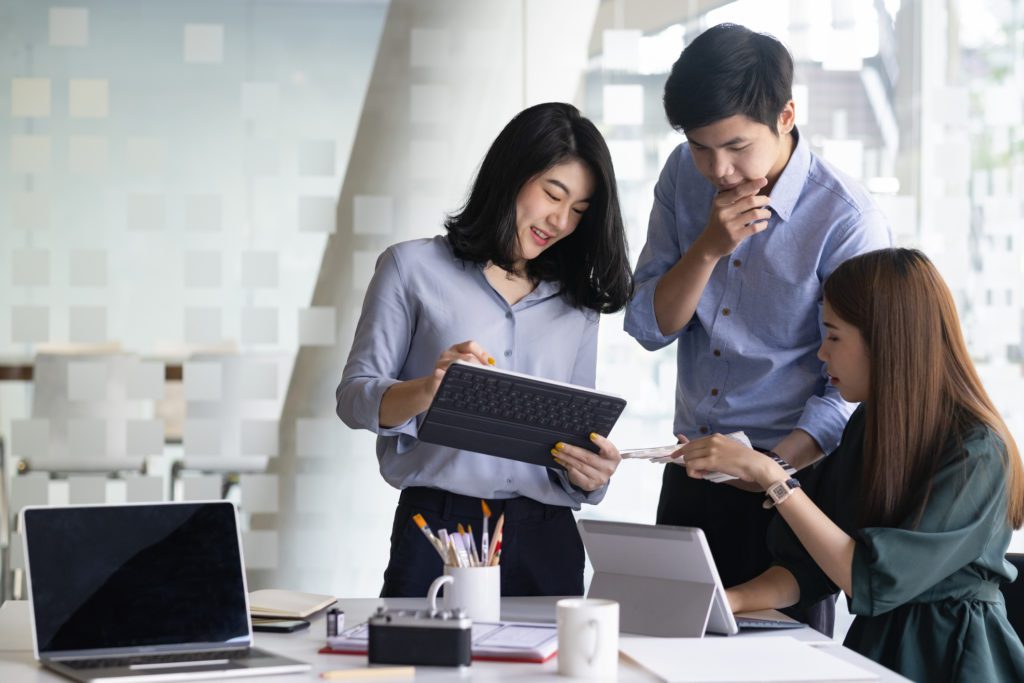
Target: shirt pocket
point(783, 314)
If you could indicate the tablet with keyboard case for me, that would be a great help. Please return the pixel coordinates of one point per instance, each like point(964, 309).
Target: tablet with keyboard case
point(516, 416)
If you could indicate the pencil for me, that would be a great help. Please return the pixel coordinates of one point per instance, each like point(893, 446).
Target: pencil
point(497, 537)
point(369, 673)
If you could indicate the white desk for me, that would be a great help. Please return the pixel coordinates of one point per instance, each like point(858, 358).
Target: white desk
point(18, 666)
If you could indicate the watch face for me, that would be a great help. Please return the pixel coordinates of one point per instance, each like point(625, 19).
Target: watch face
point(778, 491)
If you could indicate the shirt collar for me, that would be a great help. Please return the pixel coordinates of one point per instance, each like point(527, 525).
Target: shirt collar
point(791, 181)
point(545, 288)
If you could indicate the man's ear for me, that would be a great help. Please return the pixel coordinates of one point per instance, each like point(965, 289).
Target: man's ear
point(787, 118)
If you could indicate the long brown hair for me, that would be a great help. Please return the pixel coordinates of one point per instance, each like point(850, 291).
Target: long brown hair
point(924, 390)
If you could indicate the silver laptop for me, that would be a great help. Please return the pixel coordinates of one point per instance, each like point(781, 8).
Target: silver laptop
point(149, 592)
point(664, 579)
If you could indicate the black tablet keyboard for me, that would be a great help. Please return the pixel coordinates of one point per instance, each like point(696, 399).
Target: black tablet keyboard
point(515, 416)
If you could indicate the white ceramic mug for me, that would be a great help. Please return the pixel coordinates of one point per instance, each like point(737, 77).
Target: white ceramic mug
point(588, 638)
point(477, 590)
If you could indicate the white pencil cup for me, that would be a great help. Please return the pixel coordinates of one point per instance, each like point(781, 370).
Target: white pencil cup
point(476, 590)
point(588, 638)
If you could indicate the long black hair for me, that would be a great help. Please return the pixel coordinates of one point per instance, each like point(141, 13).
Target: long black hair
point(592, 263)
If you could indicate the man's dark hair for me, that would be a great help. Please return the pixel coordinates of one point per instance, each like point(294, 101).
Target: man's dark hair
point(592, 263)
point(725, 71)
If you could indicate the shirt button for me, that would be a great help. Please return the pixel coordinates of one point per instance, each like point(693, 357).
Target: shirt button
point(717, 353)
point(703, 430)
point(714, 392)
point(509, 482)
point(508, 353)
point(509, 315)
point(737, 263)
point(726, 311)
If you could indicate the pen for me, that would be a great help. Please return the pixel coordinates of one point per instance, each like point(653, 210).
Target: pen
point(464, 545)
point(484, 541)
point(422, 524)
point(472, 547)
point(369, 673)
point(461, 550)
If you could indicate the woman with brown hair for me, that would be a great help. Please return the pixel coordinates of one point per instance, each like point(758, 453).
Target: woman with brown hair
point(912, 514)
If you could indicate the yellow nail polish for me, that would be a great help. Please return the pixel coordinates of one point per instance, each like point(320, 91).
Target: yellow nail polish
point(593, 436)
point(559, 446)
point(554, 452)
point(490, 360)
point(560, 462)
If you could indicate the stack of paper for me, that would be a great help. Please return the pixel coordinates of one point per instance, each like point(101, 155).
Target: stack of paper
point(504, 641)
point(282, 604)
point(730, 660)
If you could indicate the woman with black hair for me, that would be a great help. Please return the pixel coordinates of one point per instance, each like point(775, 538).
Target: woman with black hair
point(530, 262)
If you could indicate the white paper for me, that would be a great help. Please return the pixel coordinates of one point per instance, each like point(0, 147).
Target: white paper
point(712, 660)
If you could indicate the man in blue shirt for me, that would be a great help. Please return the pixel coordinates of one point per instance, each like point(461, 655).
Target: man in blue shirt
point(746, 226)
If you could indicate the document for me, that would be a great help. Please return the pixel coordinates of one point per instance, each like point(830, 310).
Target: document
point(663, 454)
point(731, 660)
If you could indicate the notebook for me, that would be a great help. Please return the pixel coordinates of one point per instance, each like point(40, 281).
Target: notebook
point(511, 415)
point(141, 592)
point(282, 604)
point(504, 641)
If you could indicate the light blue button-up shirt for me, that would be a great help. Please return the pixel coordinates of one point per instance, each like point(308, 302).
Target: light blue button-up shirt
point(748, 358)
point(421, 301)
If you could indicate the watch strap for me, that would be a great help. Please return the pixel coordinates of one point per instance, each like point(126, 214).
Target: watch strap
point(771, 500)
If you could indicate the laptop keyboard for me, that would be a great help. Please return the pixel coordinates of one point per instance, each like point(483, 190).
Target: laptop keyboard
point(182, 657)
point(754, 622)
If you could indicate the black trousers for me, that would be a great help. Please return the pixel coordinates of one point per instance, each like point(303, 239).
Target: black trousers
point(736, 526)
point(541, 549)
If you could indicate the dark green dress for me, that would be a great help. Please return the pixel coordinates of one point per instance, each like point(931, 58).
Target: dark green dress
point(926, 598)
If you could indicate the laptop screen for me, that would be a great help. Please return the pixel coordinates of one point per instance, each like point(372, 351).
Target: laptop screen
point(135, 576)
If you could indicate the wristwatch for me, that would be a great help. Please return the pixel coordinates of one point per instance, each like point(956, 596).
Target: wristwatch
point(780, 491)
